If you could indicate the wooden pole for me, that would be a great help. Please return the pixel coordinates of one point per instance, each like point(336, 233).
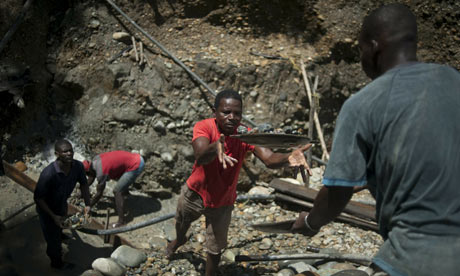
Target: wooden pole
point(315, 113)
point(135, 48)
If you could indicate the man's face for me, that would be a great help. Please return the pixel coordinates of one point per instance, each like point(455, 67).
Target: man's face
point(228, 115)
point(368, 62)
point(65, 153)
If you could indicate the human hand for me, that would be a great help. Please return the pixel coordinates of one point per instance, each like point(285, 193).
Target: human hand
point(297, 160)
point(58, 220)
point(223, 158)
point(300, 226)
point(87, 210)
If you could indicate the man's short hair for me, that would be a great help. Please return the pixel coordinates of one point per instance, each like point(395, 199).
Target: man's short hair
point(59, 143)
point(227, 94)
point(395, 22)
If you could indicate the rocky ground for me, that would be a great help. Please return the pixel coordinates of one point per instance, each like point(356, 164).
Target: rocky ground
point(81, 89)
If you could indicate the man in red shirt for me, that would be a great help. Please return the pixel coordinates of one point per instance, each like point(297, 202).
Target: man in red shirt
point(117, 165)
point(211, 188)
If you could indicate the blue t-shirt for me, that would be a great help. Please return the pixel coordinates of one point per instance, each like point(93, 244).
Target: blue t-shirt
point(55, 187)
point(401, 135)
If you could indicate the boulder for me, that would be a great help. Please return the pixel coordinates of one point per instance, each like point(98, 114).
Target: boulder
point(108, 267)
point(122, 37)
point(91, 272)
point(129, 256)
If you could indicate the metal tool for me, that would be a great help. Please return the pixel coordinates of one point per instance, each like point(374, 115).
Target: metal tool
point(275, 227)
point(273, 140)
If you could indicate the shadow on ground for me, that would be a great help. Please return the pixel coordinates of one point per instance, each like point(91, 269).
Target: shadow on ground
point(26, 249)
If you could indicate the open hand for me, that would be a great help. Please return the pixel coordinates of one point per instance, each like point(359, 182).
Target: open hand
point(87, 210)
point(297, 160)
point(223, 158)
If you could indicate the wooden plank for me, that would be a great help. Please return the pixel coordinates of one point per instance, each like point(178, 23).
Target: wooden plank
point(353, 208)
point(27, 182)
point(343, 217)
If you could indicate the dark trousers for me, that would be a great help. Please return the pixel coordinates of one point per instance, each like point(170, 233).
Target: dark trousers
point(52, 234)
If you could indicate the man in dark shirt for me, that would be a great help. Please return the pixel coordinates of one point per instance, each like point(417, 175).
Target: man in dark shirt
point(399, 135)
point(54, 187)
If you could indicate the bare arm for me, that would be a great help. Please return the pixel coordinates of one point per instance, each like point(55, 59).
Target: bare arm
point(276, 160)
point(85, 194)
point(206, 152)
point(99, 192)
point(329, 203)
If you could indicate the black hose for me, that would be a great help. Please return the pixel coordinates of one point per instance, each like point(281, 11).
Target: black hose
point(127, 227)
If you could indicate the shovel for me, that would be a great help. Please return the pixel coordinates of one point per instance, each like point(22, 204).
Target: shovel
point(275, 227)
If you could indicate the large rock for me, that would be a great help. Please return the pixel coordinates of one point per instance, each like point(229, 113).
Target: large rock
point(129, 256)
point(108, 267)
point(127, 116)
point(301, 267)
point(259, 190)
point(122, 37)
point(92, 272)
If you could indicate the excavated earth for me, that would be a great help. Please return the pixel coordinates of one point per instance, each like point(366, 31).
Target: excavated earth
point(83, 86)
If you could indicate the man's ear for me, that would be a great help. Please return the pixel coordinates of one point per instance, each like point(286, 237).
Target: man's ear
point(375, 46)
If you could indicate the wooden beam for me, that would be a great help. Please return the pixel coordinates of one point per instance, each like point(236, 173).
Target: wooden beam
point(343, 217)
point(353, 208)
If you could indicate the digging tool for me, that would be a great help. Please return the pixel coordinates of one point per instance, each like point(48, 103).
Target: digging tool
point(360, 259)
point(275, 227)
point(107, 220)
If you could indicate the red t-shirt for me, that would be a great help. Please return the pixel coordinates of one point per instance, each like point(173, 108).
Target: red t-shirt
point(116, 163)
point(216, 185)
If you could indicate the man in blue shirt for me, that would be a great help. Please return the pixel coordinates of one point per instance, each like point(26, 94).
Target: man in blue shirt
point(400, 135)
point(54, 187)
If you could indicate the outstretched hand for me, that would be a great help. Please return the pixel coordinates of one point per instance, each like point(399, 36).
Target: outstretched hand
point(297, 160)
point(223, 158)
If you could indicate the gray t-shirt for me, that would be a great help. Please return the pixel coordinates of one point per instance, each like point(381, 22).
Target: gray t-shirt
point(401, 135)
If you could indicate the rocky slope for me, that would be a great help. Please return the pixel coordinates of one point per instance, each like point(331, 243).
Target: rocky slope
point(101, 105)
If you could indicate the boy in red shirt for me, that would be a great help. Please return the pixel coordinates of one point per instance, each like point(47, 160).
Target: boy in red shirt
point(122, 166)
point(211, 188)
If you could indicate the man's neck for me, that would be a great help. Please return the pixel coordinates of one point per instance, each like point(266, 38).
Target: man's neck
point(394, 57)
point(65, 167)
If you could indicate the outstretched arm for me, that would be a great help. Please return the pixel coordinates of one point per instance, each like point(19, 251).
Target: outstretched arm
point(206, 152)
point(274, 160)
point(329, 203)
